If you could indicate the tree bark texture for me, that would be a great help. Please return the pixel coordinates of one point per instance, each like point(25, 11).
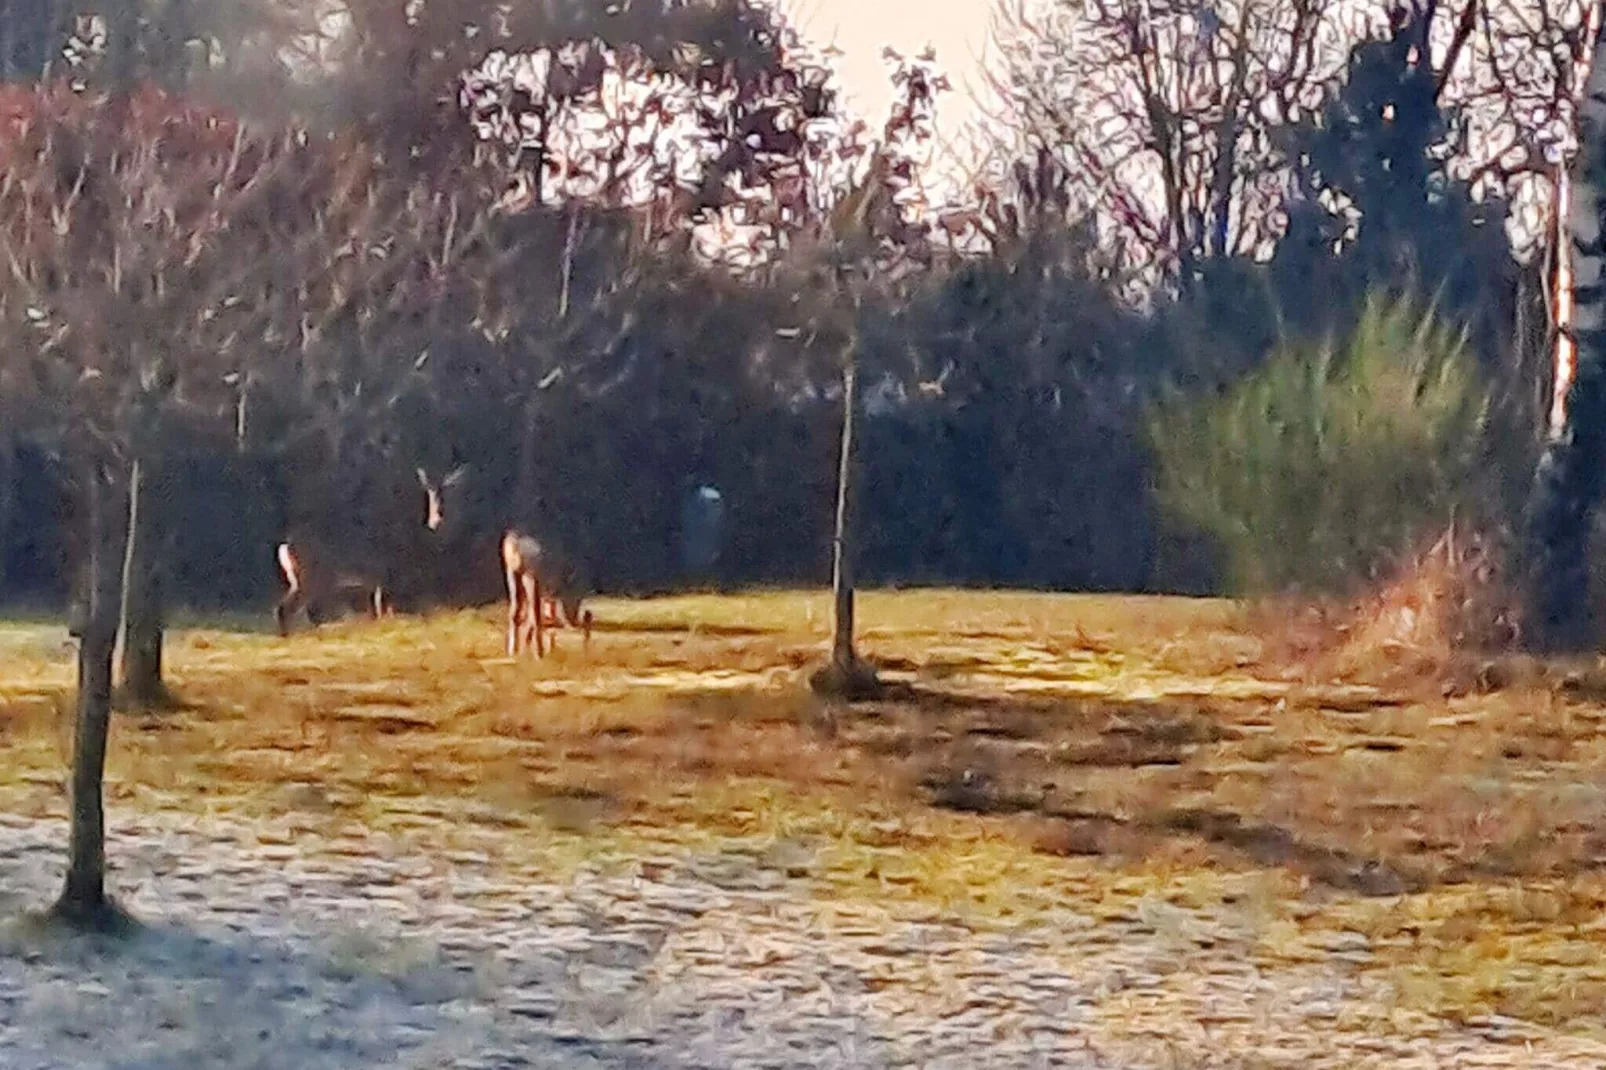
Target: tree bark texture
point(1567, 481)
point(140, 619)
point(83, 897)
point(843, 658)
point(845, 676)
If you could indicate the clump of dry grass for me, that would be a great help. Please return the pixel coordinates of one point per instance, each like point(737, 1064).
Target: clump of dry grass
point(1444, 604)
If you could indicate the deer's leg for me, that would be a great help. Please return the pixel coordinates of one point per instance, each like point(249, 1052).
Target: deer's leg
point(527, 597)
point(335, 599)
point(295, 596)
point(519, 613)
point(575, 616)
point(293, 601)
point(317, 606)
point(287, 608)
point(515, 619)
point(540, 623)
point(532, 608)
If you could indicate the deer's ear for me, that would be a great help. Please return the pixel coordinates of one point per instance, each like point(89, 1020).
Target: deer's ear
point(423, 479)
point(455, 476)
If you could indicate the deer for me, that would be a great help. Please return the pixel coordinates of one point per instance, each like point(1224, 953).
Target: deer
point(536, 575)
point(317, 578)
point(314, 584)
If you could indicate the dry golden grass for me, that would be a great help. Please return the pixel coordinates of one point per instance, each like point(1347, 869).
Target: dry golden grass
point(1443, 612)
point(1036, 750)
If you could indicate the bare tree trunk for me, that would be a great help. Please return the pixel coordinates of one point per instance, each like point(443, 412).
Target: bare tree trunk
point(1568, 480)
point(83, 900)
point(140, 624)
point(843, 657)
point(845, 676)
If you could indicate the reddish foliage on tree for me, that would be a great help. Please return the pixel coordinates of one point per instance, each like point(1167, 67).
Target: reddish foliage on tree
point(170, 250)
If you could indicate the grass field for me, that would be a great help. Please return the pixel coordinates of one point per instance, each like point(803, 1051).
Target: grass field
point(1035, 749)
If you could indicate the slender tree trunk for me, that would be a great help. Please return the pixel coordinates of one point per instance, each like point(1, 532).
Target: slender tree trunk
point(843, 657)
point(83, 900)
point(140, 623)
point(1568, 478)
point(845, 675)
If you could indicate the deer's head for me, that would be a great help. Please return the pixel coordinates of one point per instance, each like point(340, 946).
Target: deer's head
point(436, 508)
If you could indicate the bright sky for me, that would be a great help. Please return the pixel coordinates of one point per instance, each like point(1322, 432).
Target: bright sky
point(957, 29)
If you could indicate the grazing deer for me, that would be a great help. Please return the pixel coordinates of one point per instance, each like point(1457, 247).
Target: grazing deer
point(317, 578)
point(535, 575)
point(314, 585)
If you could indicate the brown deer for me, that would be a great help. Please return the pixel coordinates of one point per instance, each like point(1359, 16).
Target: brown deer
point(315, 585)
point(535, 575)
point(319, 576)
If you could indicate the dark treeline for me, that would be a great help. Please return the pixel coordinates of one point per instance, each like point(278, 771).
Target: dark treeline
point(590, 363)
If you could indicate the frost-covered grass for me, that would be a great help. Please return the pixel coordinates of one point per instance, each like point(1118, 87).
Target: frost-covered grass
point(1037, 750)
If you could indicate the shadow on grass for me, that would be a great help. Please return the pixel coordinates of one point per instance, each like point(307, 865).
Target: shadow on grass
point(257, 621)
point(229, 622)
point(175, 952)
point(683, 627)
point(61, 702)
point(165, 701)
point(168, 995)
point(1272, 845)
point(1003, 755)
point(1181, 721)
point(1109, 776)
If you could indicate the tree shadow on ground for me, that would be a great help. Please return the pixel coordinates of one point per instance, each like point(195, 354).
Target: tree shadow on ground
point(168, 996)
point(683, 627)
point(1104, 775)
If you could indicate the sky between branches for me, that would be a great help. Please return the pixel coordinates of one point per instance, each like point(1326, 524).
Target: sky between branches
point(957, 29)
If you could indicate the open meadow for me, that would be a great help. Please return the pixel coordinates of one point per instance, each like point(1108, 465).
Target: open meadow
point(1080, 831)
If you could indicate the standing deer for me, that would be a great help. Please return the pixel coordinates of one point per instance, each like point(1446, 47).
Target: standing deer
point(355, 574)
point(535, 575)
